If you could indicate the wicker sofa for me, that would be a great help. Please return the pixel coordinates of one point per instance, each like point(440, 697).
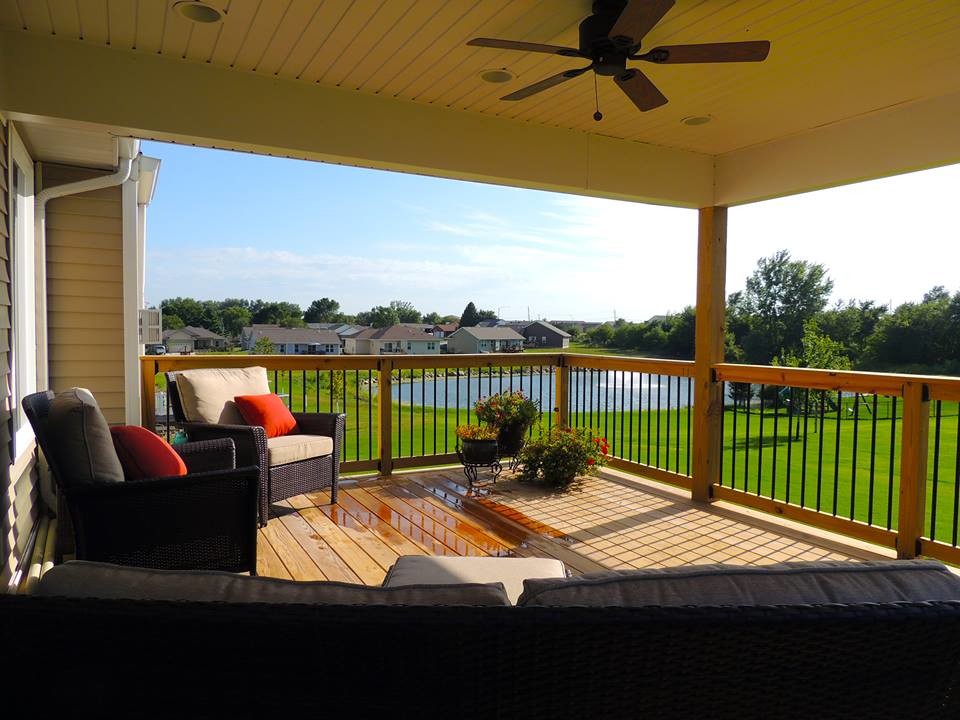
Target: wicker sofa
point(584, 657)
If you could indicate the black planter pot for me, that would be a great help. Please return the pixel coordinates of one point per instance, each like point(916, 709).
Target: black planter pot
point(479, 452)
point(510, 439)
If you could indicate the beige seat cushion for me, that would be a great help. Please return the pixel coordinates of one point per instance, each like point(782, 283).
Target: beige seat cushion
point(423, 570)
point(293, 448)
point(207, 395)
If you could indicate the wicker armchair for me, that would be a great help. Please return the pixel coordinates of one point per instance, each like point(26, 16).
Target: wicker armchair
point(277, 481)
point(205, 520)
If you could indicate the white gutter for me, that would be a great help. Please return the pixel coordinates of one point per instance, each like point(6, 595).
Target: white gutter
point(127, 151)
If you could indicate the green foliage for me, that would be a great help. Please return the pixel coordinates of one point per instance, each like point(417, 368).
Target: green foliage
point(172, 322)
point(380, 316)
point(507, 408)
point(476, 432)
point(323, 310)
point(433, 318)
point(767, 318)
point(235, 318)
point(263, 346)
point(406, 312)
point(918, 334)
point(470, 316)
point(851, 325)
point(817, 351)
point(276, 313)
point(486, 315)
point(601, 335)
point(559, 458)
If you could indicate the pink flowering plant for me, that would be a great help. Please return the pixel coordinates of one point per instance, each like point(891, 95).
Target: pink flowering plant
point(562, 457)
point(507, 408)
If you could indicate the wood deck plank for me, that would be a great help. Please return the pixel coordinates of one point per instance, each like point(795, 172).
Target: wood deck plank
point(317, 550)
point(362, 565)
point(282, 534)
point(395, 531)
point(268, 562)
point(372, 544)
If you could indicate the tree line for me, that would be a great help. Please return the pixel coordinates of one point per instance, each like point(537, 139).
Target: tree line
point(782, 317)
point(228, 317)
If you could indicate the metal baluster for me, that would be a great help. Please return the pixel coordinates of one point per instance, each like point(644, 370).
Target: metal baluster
point(793, 404)
point(873, 460)
point(893, 451)
point(760, 445)
point(803, 465)
point(676, 410)
point(630, 443)
point(938, 405)
point(659, 396)
point(823, 408)
point(746, 445)
point(776, 434)
point(856, 442)
point(733, 439)
point(836, 452)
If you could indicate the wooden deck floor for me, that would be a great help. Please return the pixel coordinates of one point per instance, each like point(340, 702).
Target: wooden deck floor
point(609, 523)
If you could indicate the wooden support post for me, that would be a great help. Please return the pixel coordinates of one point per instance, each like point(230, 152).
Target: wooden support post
point(385, 410)
point(708, 350)
point(148, 394)
point(562, 398)
point(913, 468)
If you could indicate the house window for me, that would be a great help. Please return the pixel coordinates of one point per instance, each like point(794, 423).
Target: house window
point(23, 310)
point(431, 346)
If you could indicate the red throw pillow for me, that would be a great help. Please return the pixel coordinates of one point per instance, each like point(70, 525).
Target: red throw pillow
point(267, 411)
point(144, 454)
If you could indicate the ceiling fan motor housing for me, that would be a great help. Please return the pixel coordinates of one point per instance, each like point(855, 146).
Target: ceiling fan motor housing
point(609, 57)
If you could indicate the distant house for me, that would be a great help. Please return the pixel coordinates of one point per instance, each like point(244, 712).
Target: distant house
point(480, 339)
point(292, 341)
point(422, 327)
point(443, 330)
point(190, 339)
point(540, 333)
point(394, 339)
point(491, 323)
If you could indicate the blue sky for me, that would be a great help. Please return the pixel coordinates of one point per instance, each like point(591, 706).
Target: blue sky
point(226, 224)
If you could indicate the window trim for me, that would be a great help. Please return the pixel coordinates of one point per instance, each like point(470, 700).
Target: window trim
point(24, 354)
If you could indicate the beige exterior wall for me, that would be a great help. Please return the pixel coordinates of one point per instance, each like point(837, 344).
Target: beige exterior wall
point(20, 496)
point(85, 290)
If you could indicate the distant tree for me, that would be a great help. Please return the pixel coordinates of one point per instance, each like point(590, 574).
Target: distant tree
point(405, 311)
point(470, 316)
point(918, 336)
point(486, 315)
point(235, 318)
point(262, 346)
point(851, 325)
point(680, 334)
point(601, 336)
point(817, 351)
point(451, 318)
point(381, 316)
point(276, 313)
point(172, 322)
point(780, 296)
point(322, 310)
point(433, 318)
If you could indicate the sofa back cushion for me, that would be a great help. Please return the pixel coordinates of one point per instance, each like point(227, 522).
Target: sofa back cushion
point(100, 580)
point(207, 394)
point(80, 439)
point(814, 583)
point(144, 454)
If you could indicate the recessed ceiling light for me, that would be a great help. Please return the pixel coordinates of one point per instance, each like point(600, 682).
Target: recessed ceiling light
point(696, 120)
point(499, 75)
point(198, 12)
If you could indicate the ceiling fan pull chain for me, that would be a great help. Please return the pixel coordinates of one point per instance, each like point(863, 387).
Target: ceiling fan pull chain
point(598, 116)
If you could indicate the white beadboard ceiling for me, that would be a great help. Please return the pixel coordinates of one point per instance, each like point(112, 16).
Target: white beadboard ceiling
point(830, 61)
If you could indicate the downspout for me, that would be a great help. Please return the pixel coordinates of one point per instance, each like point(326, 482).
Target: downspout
point(127, 151)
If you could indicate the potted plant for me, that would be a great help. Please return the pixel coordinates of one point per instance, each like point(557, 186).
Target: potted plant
point(558, 459)
point(512, 413)
point(478, 443)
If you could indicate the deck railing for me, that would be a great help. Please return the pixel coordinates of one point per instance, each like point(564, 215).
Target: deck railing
point(871, 455)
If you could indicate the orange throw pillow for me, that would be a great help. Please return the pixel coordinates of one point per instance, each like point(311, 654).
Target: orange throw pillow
point(267, 411)
point(144, 454)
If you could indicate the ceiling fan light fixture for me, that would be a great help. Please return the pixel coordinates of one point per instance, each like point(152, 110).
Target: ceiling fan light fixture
point(198, 12)
point(694, 120)
point(497, 75)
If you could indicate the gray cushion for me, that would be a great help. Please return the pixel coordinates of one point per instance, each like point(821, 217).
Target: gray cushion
point(429, 570)
point(100, 580)
point(815, 583)
point(81, 441)
point(294, 448)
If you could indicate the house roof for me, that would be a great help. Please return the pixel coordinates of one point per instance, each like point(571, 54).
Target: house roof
point(281, 335)
point(446, 327)
point(197, 333)
point(491, 333)
point(422, 327)
point(551, 327)
point(395, 332)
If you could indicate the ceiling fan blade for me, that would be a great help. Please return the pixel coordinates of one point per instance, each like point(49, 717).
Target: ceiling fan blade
point(525, 46)
point(545, 84)
point(640, 90)
point(637, 19)
point(752, 51)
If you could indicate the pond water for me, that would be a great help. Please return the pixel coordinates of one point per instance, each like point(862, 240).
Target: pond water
point(598, 390)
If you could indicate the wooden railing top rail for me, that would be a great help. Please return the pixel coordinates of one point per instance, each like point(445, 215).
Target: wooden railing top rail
point(424, 362)
point(166, 363)
point(654, 366)
point(845, 380)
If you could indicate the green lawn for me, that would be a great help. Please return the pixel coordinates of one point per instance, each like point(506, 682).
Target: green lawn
point(584, 349)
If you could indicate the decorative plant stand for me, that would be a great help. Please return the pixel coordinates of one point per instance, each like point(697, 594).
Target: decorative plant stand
point(475, 454)
point(510, 442)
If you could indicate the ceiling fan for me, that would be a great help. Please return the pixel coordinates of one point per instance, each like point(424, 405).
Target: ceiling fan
point(612, 35)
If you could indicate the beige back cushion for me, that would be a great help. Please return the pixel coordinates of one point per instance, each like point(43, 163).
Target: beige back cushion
point(207, 395)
